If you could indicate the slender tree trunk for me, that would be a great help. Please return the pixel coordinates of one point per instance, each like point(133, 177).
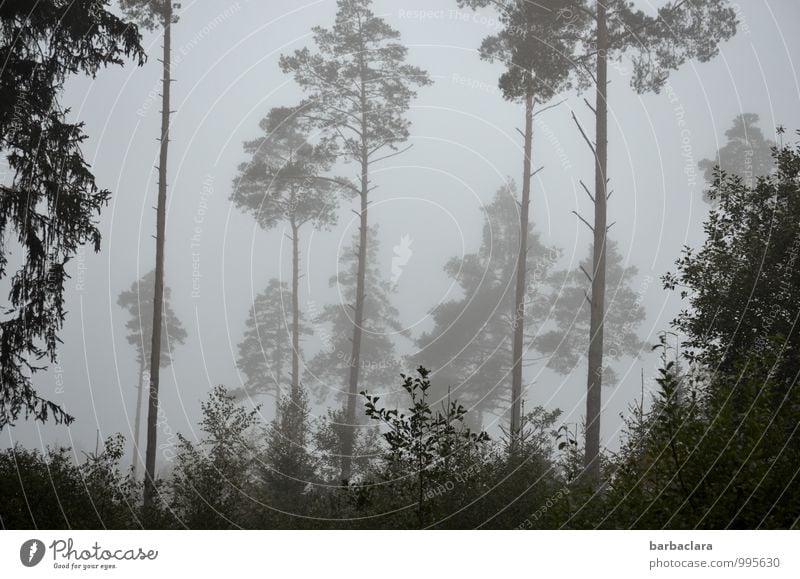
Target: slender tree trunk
point(158, 293)
point(349, 438)
point(295, 309)
point(355, 358)
point(595, 374)
point(278, 364)
point(522, 262)
point(137, 426)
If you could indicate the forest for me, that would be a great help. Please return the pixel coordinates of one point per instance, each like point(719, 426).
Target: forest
point(382, 358)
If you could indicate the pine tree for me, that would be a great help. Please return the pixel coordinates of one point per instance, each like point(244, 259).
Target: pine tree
point(265, 352)
point(470, 347)
point(566, 344)
point(138, 301)
point(49, 206)
point(279, 184)
point(358, 91)
point(747, 153)
point(680, 31)
point(379, 362)
point(538, 53)
point(288, 464)
point(152, 14)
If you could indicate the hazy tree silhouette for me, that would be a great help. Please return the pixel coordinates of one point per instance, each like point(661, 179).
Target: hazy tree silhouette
point(279, 185)
point(49, 206)
point(566, 344)
point(538, 51)
point(379, 362)
point(470, 346)
point(138, 301)
point(379, 359)
point(358, 91)
point(266, 352)
point(747, 153)
point(287, 466)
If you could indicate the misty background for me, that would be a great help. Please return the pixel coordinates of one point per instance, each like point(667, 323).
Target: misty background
point(465, 147)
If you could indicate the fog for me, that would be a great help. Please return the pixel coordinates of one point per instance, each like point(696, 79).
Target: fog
point(429, 200)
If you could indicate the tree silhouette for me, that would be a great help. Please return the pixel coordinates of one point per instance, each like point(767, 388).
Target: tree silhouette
point(656, 45)
point(470, 346)
point(138, 301)
point(538, 53)
point(359, 90)
point(265, 352)
point(746, 154)
point(566, 344)
point(48, 208)
point(379, 362)
point(288, 465)
point(279, 184)
point(743, 284)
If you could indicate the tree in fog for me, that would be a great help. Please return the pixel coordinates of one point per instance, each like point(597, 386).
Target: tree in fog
point(328, 434)
point(722, 454)
point(538, 51)
point(358, 89)
point(210, 486)
point(138, 301)
point(656, 45)
point(470, 347)
point(742, 284)
point(153, 14)
point(747, 153)
point(379, 360)
point(279, 184)
point(565, 344)
point(287, 466)
point(265, 352)
point(50, 203)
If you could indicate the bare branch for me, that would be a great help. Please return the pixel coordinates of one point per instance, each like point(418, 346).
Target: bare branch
point(389, 156)
point(582, 219)
point(583, 134)
point(585, 188)
point(547, 108)
point(339, 182)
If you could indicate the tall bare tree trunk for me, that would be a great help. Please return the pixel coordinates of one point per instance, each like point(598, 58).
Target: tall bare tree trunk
point(158, 293)
point(522, 262)
point(137, 426)
point(355, 358)
point(349, 438)
point(278, 364)
point(295, 309)
point(595, 374)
